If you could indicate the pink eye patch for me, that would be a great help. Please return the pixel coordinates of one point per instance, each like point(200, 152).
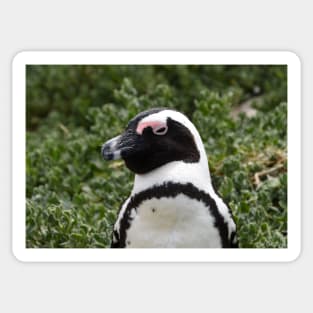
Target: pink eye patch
point(158, 128)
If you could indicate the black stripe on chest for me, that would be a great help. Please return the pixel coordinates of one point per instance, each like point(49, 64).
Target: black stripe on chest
point(169, 190)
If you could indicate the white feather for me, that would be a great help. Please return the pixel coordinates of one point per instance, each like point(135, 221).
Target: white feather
point(180, 221)
point(173, 223)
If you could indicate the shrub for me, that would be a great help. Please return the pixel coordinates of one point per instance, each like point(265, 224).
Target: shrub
point(73, 195)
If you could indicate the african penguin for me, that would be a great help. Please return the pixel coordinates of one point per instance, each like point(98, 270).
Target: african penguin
point(173, 203)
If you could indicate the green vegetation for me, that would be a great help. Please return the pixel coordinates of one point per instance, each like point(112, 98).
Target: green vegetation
point(73, 195)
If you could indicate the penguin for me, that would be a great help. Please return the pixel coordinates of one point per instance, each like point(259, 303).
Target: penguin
point(173, 203)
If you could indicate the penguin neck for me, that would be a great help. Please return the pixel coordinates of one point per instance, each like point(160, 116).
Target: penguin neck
point(177, 172)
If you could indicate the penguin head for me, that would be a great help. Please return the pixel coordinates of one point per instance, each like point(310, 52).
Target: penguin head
point(154, 138)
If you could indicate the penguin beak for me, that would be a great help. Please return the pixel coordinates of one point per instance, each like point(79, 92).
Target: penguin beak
point(110, 150)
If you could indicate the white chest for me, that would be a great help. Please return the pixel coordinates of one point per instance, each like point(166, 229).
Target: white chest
point(176, 222)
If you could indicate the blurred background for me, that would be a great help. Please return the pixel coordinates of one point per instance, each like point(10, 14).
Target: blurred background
point(73, 195)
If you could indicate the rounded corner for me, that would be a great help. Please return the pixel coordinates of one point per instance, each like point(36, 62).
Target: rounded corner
point(18, 57)
point(294, 57)
point(295, 255)
point(17, 255)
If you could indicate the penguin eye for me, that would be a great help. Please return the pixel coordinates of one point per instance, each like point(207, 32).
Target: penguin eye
point(160, 130)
